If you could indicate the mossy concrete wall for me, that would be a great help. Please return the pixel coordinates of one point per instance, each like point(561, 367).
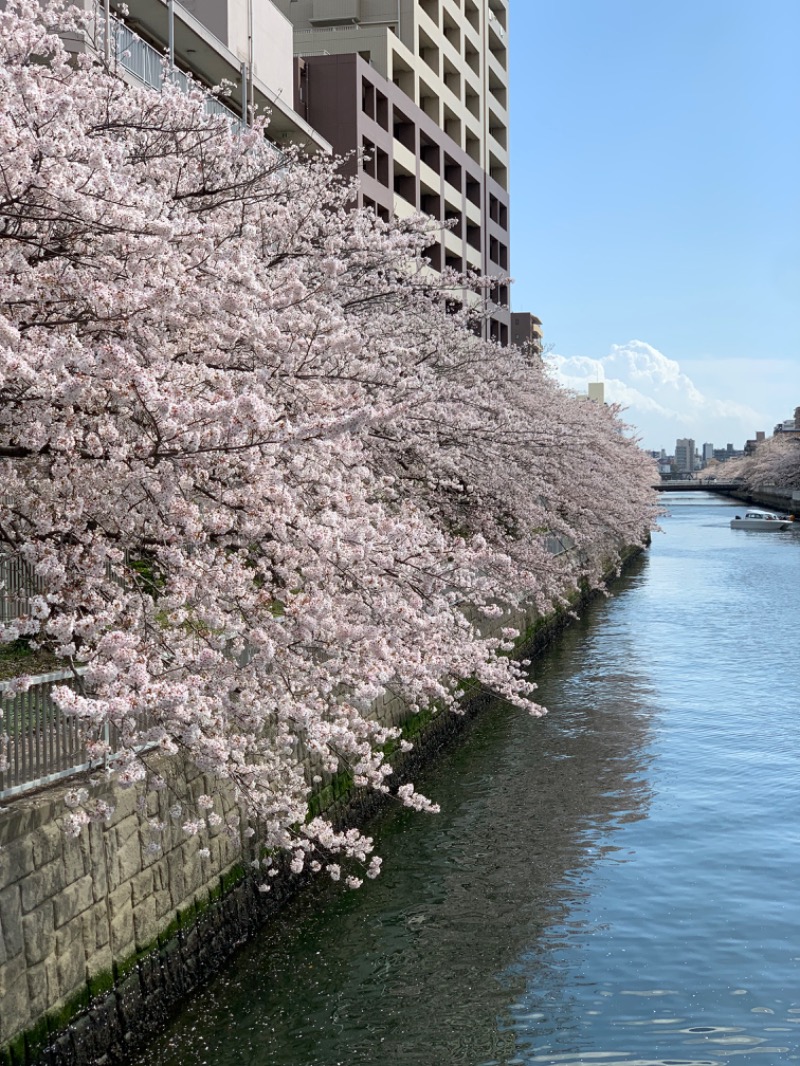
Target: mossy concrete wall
point(100, 936)
point(775, 499)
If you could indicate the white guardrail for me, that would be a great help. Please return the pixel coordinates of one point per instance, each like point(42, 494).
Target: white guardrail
point(148, 65)
point(38, 744)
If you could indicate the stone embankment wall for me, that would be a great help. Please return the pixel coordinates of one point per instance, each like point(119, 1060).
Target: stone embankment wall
point(773, 498)
point(78, 914)
point(100, 935)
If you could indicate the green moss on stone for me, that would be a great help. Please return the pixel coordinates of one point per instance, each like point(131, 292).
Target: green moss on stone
point(124, 967)
point(100, 984)
point(415, 723)
point(59, 1019)
point(36, 1040)
point(320, 802)
point(170, 932)
point(15, 1051)
point(202, 904)
point(342, 784)
point(232, 878)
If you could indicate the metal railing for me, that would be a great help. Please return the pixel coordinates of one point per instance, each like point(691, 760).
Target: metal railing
point(137, 57)
point(149, 66)
point(39, 744)
point(17, 584)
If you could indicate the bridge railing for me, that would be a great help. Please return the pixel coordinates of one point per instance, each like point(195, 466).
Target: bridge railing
point(696, 484)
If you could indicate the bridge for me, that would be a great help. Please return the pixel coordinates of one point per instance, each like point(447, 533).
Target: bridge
point(699, 485)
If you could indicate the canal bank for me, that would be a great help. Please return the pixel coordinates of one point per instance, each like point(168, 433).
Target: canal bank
point(772, 497)
point(102, 938)
point(615, 882)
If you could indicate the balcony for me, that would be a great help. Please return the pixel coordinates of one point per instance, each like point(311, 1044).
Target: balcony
point(148, 66)
point(336, 13)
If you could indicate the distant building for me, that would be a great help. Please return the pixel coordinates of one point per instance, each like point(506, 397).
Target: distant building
point(751, 445)
point(708, 453)
point(728, 452)
point(664, 465)
point(790, 426)
point(597, 391)
point(526, 332)
point(684, 455)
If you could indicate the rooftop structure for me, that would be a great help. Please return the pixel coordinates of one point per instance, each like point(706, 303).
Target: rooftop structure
point(790, 427)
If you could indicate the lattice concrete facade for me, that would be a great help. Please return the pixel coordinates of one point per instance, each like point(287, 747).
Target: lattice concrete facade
point(420, 86)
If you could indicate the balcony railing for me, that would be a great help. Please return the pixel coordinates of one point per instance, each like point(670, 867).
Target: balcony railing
point(136, 56)
point(150, 67)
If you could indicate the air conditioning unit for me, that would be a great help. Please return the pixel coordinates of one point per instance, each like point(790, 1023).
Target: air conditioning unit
point(336, 13)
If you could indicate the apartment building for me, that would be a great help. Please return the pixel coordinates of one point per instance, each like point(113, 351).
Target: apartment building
point(246, 44)
point(421, 88)
point(790, 427)
point(751, 445)
point(526, 332)
point(684, 455)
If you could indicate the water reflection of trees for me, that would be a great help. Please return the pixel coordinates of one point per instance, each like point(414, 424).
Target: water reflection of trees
point(421, 967)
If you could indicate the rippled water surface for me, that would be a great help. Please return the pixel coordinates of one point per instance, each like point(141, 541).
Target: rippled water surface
point(617, 883)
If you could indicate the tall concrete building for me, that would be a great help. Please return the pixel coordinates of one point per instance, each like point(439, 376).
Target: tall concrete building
point(421, 88)
point(684, 455)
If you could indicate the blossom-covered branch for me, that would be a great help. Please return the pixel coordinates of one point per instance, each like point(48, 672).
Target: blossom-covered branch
point(775, 461)
point(261, 468)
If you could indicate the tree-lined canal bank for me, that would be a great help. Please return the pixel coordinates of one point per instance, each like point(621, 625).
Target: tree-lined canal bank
point(613, 883)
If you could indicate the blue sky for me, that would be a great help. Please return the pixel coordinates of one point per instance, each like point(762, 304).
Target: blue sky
point(655, 192)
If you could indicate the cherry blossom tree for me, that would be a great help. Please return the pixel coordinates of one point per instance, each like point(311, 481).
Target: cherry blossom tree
point(776, 461)
point(261, 467)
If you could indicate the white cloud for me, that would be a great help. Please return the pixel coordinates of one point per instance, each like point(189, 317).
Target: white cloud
point(664, 403)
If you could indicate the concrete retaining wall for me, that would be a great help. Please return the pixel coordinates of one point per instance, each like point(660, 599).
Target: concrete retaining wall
point(773, 498)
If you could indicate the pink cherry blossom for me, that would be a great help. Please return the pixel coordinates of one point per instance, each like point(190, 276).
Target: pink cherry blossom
point(260, 466)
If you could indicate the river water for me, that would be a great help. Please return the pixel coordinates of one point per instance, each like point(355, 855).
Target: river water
point(616, 883)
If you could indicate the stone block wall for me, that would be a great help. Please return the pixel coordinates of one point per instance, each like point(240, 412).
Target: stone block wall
point(75, 912)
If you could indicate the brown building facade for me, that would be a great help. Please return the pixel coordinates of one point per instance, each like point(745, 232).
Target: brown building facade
point(408, 164)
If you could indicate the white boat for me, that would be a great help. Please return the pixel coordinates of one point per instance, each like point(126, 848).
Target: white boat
point(761, 520)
